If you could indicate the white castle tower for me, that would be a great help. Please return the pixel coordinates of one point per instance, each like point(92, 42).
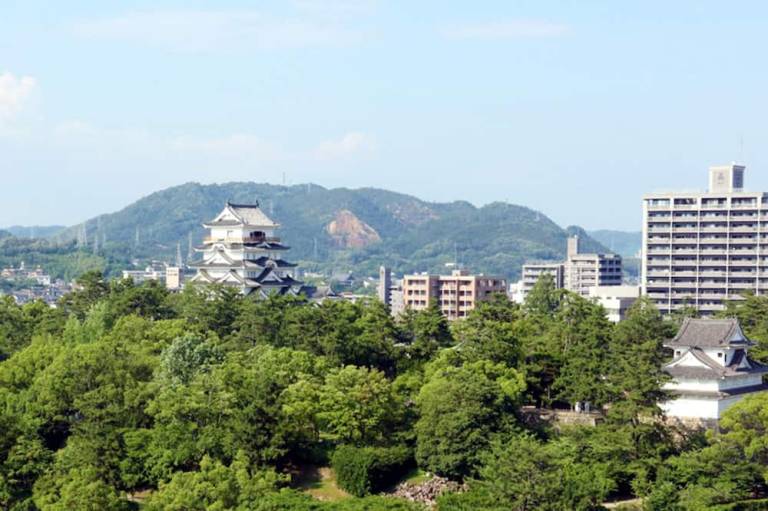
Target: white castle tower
point(242, 250)
point(711, 369)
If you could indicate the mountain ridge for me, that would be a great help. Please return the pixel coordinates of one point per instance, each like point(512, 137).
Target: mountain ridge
point(401, 231)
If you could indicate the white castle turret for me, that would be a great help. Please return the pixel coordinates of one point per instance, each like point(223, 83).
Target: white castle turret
point(711, 369)
point(242, 250)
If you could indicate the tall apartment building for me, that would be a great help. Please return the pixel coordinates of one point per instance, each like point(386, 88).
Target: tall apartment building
point(456, 294)
point(584, 271)
point(578, 273)
point(390, 291)
point(533, 271)
point(701, 249)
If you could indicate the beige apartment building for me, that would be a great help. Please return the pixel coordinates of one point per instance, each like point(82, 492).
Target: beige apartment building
point(701, 249)
point(578, 273)
point(457, 294)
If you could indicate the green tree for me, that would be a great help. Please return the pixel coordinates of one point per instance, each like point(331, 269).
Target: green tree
point(425, 332)
point(460, 409)
point(356, 406)
point(91, 288)
point(188, 356)
point(216, 486)
point(490, 332)
point(582, 333)
point(14, 330)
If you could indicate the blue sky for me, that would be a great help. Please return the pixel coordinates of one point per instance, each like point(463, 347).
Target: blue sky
point(573, 108)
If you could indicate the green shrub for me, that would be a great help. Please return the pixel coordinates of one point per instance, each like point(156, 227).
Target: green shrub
point(365, 470)
point(745, 505)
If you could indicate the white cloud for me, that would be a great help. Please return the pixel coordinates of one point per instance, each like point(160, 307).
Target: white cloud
point(14, 93)
point(214, 30)
point(353, 143)
point(511, 29)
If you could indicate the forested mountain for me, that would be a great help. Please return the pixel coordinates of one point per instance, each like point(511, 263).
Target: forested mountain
point(34, 231)
point(625, 243)
point(339, 228)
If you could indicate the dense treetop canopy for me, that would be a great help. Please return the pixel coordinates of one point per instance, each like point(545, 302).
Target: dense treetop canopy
point(205, 399)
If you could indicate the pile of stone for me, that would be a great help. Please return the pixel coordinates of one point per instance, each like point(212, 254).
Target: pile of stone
point(426, 493)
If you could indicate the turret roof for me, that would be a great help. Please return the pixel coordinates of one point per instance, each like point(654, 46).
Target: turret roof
point(251, 214)
point(709, 333)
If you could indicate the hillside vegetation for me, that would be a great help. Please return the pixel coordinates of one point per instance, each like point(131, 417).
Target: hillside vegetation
point(339, 228)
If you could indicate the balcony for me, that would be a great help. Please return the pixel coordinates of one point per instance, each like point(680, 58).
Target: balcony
point(240, 239)
point(744, 228)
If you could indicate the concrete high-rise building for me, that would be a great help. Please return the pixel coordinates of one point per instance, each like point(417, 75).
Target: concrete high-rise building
point(703, 248)
point(385, 285)
point(578, 273)
point(456, 294)
point(390, 291)
point(533, 271)
point(584, 271)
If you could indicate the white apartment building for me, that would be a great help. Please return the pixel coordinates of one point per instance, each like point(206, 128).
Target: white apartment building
point(584, 271)
point(578, 273)
point(703, 248)
point(533, 271)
